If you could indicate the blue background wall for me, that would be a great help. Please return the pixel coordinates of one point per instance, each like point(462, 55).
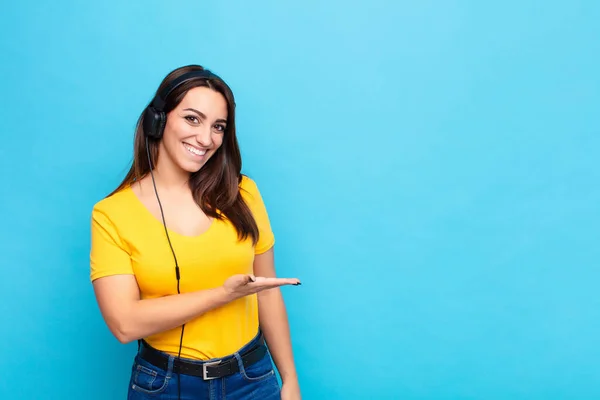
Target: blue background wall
point(430, 168)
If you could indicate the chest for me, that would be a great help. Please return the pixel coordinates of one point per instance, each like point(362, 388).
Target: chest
point(181, 213)
point(205, 261)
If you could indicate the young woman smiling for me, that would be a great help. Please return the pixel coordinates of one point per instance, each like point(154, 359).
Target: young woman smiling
point(182, 255)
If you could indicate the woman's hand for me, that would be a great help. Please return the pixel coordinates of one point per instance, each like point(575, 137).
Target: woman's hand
point(243, 285)
point(290, 391)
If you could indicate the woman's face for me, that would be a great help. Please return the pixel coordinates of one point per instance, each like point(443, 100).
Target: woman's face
point(195, 128)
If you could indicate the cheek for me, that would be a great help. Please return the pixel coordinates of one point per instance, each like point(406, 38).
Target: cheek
point(181, 130)
point(171, 132)
point(217, 140)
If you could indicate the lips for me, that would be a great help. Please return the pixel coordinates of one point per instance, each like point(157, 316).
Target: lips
point(194, 150)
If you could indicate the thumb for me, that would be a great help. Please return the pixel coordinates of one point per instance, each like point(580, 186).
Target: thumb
point(246, 279)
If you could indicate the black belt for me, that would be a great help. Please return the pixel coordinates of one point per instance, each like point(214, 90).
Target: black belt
point(206, 370)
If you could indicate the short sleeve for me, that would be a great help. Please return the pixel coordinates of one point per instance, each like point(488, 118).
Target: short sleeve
point(253, 198)
point(108, 255)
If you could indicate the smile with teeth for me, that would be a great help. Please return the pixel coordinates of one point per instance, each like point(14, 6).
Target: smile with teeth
point(194, 150)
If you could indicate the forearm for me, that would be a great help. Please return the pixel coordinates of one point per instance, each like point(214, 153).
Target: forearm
point(150, 316)
point(274, 324)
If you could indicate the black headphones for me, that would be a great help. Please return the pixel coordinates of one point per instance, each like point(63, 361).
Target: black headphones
point(155, 117)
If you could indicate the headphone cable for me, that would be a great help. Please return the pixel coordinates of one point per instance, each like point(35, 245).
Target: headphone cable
point(177, 274)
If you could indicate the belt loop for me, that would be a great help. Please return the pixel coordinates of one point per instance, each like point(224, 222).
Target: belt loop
point(170, 366)
point(240, 363)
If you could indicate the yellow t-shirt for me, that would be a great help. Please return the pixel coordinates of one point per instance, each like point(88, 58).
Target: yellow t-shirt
point(127, 239)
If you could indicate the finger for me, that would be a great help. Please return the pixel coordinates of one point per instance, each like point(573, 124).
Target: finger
point(277, 281)
point(248, 279)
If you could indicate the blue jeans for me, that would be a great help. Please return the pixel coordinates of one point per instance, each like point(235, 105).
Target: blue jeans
point(257, 381)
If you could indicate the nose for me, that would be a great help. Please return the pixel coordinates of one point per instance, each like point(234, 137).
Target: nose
point(204, 137)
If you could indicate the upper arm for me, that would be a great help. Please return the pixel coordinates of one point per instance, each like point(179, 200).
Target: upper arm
point(109, 255)
point(115, 294)
point(111, 272)
point(255, 202)
point(264, 264)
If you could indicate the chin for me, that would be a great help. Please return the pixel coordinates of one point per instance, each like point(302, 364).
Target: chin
point(192, 167)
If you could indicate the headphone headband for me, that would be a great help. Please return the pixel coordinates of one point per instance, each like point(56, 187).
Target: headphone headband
point(159, 101)
point(154, 115)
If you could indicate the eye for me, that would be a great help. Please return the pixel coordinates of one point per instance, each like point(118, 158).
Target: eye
point(220, 128)
point(191, 118)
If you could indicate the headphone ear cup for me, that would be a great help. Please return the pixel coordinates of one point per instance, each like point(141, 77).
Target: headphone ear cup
point(154, 122)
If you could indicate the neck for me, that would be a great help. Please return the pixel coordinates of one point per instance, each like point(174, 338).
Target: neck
point(169, 176)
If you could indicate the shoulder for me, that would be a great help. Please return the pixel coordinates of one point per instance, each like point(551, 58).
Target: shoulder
point(247, 184)
point(114, 206)
point(249, 191)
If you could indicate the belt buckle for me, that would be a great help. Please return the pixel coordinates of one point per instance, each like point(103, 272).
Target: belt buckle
point(205, 372)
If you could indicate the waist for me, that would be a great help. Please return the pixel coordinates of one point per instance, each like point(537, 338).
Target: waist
point(215, 334)
point(249, 354)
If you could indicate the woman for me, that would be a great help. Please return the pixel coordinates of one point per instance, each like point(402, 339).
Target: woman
point(182, 255)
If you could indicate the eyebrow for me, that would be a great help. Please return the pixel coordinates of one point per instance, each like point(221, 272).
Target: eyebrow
point(201, 115)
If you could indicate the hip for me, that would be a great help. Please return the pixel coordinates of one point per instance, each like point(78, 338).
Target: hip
point(245, 374)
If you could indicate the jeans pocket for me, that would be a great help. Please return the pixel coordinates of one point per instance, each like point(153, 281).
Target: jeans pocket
point(148, 379)
point(260, 370)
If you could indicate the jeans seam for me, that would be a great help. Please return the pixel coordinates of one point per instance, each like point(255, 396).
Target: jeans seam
point(154, 374)
point(141, 368)
point(144, 390)
point(245, 375)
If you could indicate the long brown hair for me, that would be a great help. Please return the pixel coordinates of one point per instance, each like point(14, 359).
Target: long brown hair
point(215, 187)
